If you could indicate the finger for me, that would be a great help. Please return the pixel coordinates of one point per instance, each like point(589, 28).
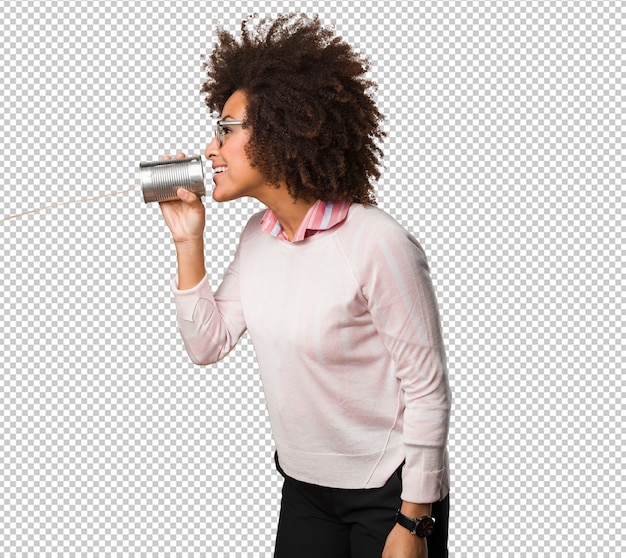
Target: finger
point(180, 156)
point(186, 196)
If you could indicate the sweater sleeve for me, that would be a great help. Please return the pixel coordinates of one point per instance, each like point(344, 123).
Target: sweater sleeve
point(211, 324)
point(403, 308)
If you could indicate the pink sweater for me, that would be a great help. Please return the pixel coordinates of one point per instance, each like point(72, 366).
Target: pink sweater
point(347, 335)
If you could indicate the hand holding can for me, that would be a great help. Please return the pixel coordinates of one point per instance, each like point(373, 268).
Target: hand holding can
point(179, 201)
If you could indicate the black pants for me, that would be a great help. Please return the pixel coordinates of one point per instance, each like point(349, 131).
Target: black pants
point(320, 522)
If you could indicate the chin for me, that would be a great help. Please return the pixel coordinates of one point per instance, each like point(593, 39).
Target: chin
point(219, 196)
point(223, 197)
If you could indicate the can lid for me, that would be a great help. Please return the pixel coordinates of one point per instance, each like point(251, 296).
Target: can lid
point(146, 164)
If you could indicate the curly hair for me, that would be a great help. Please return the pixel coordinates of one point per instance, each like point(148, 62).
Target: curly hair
point(314, 124)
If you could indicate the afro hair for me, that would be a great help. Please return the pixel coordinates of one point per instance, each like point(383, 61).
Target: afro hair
point(314, 124)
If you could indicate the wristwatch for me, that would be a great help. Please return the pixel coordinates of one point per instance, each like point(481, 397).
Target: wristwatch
point(421, 527)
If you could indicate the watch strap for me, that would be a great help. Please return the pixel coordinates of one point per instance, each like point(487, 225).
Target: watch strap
point(421, 527)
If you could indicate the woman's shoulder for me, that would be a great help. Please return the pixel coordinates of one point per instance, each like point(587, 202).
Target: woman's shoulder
point(374, 233)
point(374, 221)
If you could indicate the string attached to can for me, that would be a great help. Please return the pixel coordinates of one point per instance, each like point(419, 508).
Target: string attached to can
point(59, 204)
point(160, 181)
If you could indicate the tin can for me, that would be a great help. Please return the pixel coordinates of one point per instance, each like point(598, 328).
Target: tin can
point(161, 179)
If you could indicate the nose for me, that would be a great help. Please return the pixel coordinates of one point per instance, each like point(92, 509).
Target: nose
point(211, 149)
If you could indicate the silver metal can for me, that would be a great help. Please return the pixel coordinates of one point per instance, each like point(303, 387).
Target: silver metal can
point(161, 179)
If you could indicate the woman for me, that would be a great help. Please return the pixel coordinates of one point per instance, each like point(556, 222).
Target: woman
point(335, 294)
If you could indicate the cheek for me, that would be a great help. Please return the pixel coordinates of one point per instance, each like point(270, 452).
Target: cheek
point(243, 165)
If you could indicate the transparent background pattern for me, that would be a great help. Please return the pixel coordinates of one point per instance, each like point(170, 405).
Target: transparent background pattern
point(505, 158)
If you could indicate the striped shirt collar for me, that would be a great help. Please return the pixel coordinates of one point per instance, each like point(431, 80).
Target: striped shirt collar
point(321, 216)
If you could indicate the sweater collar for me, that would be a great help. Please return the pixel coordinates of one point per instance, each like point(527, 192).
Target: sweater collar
point(321, 216)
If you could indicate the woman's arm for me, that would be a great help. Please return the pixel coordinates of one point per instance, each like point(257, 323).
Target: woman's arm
point(403, 307)
point(185, 218)
point(210, 325)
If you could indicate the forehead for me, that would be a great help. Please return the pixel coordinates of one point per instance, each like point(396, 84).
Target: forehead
point(235, 106)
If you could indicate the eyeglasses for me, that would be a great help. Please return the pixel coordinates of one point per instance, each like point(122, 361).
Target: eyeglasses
point(222, 125)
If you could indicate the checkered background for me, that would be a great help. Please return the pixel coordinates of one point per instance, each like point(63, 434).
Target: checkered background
point(504, 158)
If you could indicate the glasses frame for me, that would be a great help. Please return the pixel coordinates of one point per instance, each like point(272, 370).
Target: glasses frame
point(219, 128)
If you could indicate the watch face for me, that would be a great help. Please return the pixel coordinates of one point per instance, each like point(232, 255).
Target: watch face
point(425, 527)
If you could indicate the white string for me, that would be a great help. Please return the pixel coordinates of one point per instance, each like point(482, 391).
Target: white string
point(71, 201)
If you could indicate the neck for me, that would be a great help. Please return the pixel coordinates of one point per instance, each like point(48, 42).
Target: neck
point(289, 212)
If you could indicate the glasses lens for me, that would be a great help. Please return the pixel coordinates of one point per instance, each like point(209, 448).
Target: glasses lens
point(218, 133)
